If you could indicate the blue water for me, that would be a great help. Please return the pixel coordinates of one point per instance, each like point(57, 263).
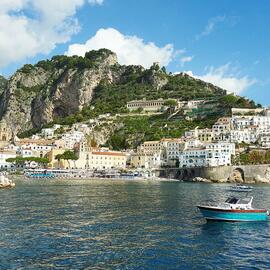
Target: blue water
point(86, 224)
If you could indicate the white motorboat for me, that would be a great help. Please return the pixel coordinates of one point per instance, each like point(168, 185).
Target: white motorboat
point(241, 188)
point(234, 209)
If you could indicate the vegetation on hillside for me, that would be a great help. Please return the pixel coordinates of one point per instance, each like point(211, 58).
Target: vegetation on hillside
point(137, 129)
point(231, 101)
point(136, 83)
point(255, 157)
point(184, 87)
point(91, 60)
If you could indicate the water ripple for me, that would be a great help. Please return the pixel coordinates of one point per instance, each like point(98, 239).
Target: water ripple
point(125, 225)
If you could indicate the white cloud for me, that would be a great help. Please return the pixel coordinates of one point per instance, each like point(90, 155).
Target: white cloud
point(130, 50)
point(223, 78)
point(96, 2)
point(211, 25)
point(11, 5)
point(185, 60)
point(50, 22)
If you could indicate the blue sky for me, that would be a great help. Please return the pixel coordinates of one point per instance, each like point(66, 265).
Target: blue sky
point(225, 42)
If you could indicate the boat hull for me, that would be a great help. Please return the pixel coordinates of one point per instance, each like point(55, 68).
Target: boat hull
point(234, 215)
point(241, 190)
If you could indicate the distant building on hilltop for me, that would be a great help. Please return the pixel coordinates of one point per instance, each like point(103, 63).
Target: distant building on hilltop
point(148, 105)
point(248, 111)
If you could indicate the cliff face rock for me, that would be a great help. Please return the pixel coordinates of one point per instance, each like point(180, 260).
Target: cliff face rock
point(103, 133)
point(155, 77)
point(3, 83)
point(38, 94)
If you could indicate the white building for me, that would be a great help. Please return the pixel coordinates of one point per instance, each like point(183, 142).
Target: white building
point(223, 125)
point(40, 147)
point(189, 134)
point(243, 122)
point(245, 135)
point(173, 148)
point(72, 138)
point(146, 161)
point(150, 147)
point(192, 157)
point(210, 155)
point(101, 160)
point(247, 111)
point(193, 143)
point(27, 152)
point(4, 155)
point(48, 133)
point(264, 140)
point(261, 121)
point(196, 103)
point(204, 135)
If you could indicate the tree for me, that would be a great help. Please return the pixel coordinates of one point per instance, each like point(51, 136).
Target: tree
point(11, 160)
point(93, 142)
point(43, 161)
point(139, 110)
point(16, 161)
point(60, 130)
point(163, 69)
point(267, 157)
point(58, 157)
point(69, 155)
point(244, 158)
point(118, 142)
point(170, 102)
point(21, 160)
point(256, 157)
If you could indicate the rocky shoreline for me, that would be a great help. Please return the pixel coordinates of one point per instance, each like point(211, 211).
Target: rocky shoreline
point(258, 180)
point(250, 174)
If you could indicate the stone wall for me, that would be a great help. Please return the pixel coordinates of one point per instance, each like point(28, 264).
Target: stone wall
point(244, 173)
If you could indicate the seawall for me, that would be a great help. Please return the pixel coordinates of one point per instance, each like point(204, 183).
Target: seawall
point(241, 173)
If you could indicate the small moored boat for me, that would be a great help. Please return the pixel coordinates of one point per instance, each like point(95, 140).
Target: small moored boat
point(234, 209)
point(241, 188)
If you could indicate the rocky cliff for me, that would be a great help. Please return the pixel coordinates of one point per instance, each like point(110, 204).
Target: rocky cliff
point(52, 89)
point(3, 83)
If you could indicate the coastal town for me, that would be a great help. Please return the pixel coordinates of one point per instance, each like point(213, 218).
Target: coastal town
point(134, 135)
point(74, 150)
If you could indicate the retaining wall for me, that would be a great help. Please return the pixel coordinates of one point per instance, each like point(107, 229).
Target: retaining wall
point(249, 173)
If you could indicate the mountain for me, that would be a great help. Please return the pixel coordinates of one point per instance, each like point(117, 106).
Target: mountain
point(3, 83)
point(72, 89)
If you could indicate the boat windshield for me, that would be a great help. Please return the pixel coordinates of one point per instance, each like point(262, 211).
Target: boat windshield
point(232, 200)
point(244, 200)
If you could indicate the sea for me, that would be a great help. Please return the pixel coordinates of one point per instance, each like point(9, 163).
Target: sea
point(111, 224)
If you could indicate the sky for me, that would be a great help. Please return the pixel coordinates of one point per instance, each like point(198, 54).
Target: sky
point(225, 42)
